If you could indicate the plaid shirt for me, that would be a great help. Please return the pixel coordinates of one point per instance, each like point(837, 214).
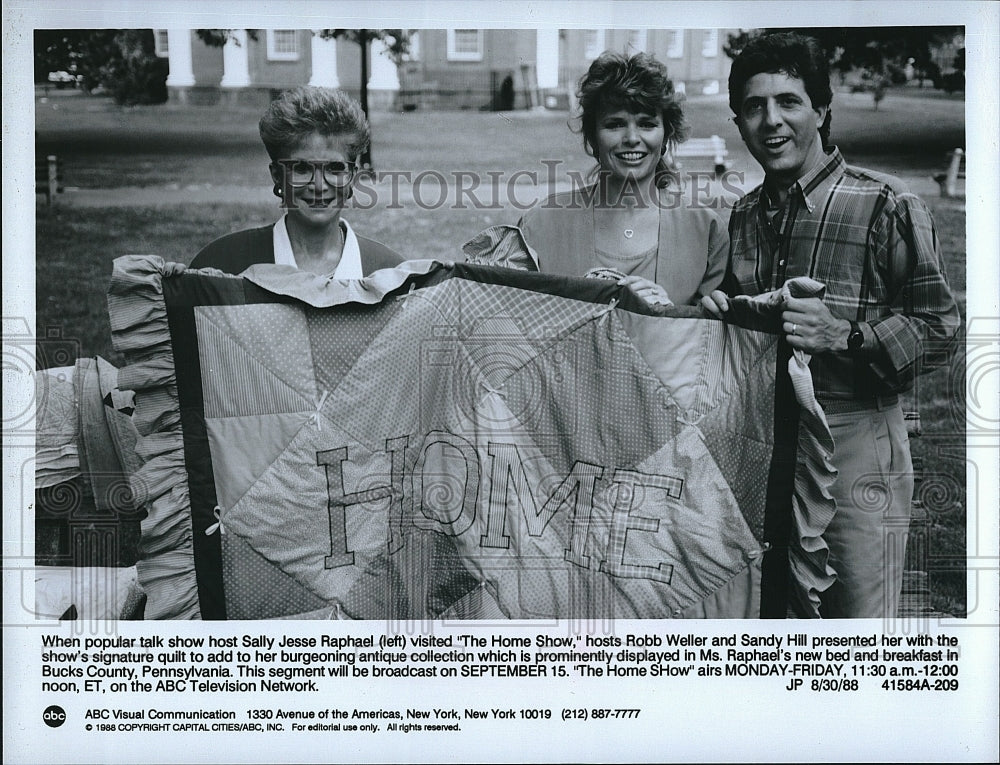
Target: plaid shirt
point(873, 244)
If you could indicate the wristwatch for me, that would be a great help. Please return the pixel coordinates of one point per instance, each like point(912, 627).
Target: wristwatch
point(855, 338)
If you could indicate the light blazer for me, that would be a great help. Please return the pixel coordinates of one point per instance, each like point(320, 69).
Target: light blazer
point(691, 256)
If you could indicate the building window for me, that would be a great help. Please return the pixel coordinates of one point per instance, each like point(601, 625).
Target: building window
point(465, 44)
point(675, 43)
point(160, 45)
point(593, 43)
point(710, 43)
point(283, 45)
point(636, 41)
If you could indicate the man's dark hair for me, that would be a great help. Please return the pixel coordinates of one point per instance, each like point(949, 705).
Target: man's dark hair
point(786, 53)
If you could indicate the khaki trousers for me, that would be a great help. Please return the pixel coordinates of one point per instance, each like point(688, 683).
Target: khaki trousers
point(873, 490)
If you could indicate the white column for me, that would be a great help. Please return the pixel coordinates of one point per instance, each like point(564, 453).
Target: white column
point(384, 75)
point(547, 58)
point(324, 62)
point(179, 57)
point(236, 60)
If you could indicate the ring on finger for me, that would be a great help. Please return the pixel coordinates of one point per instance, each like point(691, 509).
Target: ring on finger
point(794, 328)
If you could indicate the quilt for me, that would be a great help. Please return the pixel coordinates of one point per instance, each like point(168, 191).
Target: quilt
point(458, 441)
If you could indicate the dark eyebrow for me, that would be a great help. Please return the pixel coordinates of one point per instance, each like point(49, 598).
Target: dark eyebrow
point(777, 97)
point(312, 161)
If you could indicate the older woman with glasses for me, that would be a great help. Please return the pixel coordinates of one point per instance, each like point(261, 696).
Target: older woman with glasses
point(314, 137)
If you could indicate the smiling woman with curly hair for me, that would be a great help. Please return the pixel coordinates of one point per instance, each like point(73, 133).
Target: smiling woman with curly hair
point(630, 223)
point(638, 85)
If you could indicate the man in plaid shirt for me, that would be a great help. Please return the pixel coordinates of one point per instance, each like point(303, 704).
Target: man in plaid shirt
point(887, 309)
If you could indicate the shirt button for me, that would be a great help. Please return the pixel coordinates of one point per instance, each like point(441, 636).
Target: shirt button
point(781, 262)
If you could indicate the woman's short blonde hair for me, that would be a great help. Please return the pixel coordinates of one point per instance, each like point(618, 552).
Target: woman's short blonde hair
point(298, 113)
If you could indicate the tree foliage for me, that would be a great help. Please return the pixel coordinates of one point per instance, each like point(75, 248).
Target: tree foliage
point(883, 51)
point(217, 38)
point(397, 40)
point(121, 61)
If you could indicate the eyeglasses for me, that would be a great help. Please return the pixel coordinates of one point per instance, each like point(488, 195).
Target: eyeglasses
point(302, 172)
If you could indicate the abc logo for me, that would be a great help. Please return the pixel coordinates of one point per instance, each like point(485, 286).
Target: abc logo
point(54, 716)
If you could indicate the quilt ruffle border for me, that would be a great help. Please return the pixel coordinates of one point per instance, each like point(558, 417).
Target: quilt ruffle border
point(139, 331)
point(813, 505)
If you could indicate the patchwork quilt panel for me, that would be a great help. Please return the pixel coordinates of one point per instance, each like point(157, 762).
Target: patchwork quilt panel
point(461, 441)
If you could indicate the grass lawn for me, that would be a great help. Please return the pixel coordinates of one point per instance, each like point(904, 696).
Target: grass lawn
point(109, 147)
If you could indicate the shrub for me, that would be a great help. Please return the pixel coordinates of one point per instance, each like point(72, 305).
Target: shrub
point(953, 82)
point(121, 62)
point(136, 75)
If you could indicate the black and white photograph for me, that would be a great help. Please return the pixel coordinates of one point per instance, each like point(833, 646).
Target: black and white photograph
point(513, 384)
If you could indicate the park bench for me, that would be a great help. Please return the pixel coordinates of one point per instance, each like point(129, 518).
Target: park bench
point(48, 176)
point(713, 148)
point(948, 180)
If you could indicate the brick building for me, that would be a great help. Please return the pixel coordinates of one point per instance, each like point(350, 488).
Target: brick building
point(446, 68)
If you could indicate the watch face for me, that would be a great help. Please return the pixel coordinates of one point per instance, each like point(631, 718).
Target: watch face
point(855, 339)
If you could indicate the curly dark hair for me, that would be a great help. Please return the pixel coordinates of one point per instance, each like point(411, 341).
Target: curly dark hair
point(300, 112)
point(788, 53)
point(638, 84)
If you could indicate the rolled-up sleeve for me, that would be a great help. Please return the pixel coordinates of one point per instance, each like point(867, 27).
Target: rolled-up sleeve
point(919, 333)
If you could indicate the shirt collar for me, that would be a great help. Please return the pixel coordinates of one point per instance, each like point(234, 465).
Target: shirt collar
point(350, 259)
point(812, 186)
point(283, 245)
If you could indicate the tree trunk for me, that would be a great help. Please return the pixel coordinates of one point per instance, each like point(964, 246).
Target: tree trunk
point(366, 156)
